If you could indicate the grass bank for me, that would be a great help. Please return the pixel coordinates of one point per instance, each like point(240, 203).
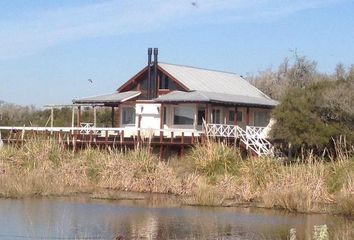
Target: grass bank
point(212, 174)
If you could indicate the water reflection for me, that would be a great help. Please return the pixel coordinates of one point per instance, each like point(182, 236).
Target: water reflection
point(155, 217)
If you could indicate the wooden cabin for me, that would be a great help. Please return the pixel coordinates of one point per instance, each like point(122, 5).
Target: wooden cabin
point(165, 96)
point(168, 104)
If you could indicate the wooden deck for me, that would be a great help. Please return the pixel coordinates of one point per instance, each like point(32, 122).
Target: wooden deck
point(87, 136)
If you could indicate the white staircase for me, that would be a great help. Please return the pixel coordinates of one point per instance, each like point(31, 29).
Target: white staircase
point(253, 138)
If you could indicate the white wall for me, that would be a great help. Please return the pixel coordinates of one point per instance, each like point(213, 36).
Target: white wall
point(150, 115)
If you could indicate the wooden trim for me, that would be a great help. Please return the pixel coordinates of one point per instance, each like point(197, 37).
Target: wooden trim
point(163, 91)
point(162, 116)
point(134, 78)
point(141, 72)
point(157, 87)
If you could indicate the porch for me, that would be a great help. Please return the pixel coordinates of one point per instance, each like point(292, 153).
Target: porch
point(252, 138)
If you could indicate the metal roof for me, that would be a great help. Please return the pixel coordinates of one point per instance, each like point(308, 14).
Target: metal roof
point(115, 97)
point(204, 80)
point(201, 96)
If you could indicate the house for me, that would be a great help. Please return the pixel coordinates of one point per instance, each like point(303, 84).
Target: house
point(170, 96)
point(168, 101)
point(170, 106)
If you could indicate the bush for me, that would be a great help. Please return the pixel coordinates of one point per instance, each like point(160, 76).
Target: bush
point(307, 118)
point(213, 159)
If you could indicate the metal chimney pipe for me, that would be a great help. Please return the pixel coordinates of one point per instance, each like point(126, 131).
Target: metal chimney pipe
point(149, 73)
point(156, 52)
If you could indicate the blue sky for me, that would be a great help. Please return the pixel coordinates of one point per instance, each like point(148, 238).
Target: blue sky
point(48, 49)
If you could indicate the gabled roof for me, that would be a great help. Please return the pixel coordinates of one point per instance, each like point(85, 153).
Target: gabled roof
point(205, 80)
point(201, 96)
point(115, 97)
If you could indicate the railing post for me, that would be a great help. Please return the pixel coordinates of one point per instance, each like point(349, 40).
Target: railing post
point(161, 136)
point(106, 139)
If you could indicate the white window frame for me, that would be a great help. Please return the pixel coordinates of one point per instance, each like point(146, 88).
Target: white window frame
point(181, 106)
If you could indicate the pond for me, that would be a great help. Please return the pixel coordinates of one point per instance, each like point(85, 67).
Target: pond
point(150, 217)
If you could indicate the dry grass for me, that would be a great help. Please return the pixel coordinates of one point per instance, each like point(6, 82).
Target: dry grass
point(210, 175)
point(345, 198)
point(43, 168)
point(213, 159)
point(205, 195)
point(297, 187)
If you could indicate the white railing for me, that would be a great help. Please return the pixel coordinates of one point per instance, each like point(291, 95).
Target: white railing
point(88, 129)
point(253, 137)
point(221, 130)
point(255, 131)
point(257, 140)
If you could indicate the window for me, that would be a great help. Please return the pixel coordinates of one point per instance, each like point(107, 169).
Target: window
point(128, 115)
point(216, 115)
point(164, 82)
point(239, 116)
point(183, 115)
point(167, 83)
point(261, 119)
point(231, 116)
point(201, 116)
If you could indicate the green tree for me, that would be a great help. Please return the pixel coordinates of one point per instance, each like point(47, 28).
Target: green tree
point(313, 116)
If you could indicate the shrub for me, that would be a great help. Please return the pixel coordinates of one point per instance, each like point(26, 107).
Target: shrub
point(214, 159)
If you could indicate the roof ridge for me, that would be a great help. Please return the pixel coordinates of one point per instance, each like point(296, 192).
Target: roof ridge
point(200, 68)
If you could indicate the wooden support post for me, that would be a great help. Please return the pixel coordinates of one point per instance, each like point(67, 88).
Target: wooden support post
point(181, 151)
point(162, 115)
point(207, 113)
point(161, 136)
point(94, 116)
point(106, 138)
point(192, 141)
point(171, 137)
point(182, 139)
point(162, 150)
point(73, 118)
point(78, 116)
point(112, 116)
point(235, 116)
point(248, 116)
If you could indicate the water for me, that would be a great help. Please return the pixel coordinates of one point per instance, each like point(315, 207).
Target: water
point(152, 217)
